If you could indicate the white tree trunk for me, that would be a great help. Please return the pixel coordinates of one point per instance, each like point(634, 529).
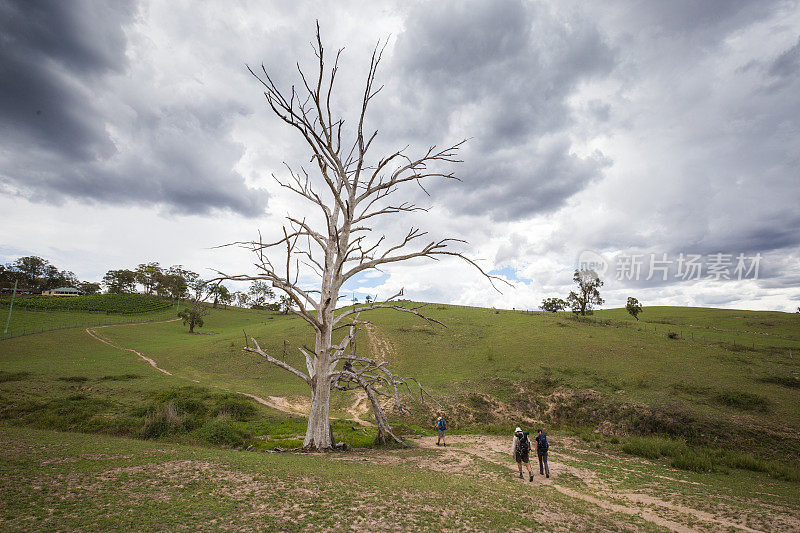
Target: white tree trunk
point(318, 434)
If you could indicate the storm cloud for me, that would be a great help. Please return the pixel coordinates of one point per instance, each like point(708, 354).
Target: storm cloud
point(80, 121)
point(501, 74)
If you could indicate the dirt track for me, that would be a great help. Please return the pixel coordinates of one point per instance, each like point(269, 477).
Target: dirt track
point(462, 450)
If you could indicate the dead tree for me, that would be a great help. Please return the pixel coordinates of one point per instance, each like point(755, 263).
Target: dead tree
point(350, 191)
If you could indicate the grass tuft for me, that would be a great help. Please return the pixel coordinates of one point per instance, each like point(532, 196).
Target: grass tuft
point(74, 379)
point(743, 400)
point(120, 377)
point(792, 382)
point(13, 376)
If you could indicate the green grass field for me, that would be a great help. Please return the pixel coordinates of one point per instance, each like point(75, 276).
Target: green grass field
point(36, 314)
point(705, 411)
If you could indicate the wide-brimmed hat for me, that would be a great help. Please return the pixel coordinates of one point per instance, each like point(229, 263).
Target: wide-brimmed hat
point(518, 430)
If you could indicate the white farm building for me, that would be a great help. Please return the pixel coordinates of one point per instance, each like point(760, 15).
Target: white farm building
point(62, 291)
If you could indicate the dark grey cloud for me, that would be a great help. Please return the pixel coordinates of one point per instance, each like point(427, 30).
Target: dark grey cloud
point(44, 45)
point(76, 124)
point(787, 65)
point(500, 73)
point(710, 19)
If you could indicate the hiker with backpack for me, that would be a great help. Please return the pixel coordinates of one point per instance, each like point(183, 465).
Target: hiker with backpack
point(541, 451)
point(520, 450)
point(440, 426)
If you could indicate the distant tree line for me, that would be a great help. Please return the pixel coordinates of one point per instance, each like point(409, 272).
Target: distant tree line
point(33, 274)
point(174, 282)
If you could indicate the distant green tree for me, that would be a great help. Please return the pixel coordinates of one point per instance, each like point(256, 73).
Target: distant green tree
point(260, 293)
point(588, 295)
point(242, 299)
point(120, 281)
point(193, 313)
point(147, 275)
point(175, 282)
point(31, 269)
point(226, 298)
point(285, 304)
point(368, 299)
point(553, 305)
point(634, 307)
point(221, 294)
point(89, 287)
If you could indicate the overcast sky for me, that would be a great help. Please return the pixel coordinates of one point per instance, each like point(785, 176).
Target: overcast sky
point(626, 131)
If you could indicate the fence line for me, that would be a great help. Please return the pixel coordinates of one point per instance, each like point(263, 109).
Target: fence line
point(25, 332)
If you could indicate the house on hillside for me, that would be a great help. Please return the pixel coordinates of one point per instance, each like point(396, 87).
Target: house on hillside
point(62, 291)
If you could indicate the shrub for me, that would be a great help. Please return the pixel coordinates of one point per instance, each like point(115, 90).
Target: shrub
point(12, 376)
point(693, 460)
point(673, 335)
point(161, 422)
point(742, 400)
point(74, 379)
point(653, 447)
point(793, 382)
point(120, 377)
point(221, 432)
point(236, 408)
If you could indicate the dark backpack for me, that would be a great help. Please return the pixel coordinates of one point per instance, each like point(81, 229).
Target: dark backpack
point(524, 445)
point(442, 425)
point(542, 444)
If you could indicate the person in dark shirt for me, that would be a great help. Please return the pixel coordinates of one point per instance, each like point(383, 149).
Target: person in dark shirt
point(542, 447)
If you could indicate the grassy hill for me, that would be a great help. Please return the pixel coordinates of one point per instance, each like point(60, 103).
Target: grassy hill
point(719, 401)
point(35, 314)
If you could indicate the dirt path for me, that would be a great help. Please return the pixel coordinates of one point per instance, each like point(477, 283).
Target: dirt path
point(463, 449)
point(360, 408)
point(280, 403)
point(93, 333)
point(380, 347)
point(275, 402)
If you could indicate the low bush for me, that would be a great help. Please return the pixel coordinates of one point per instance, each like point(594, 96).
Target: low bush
point(13, 376)
point(693, 460)
point(120, 377)
point(223, 432)
point(74, 379)
point(653, 447)
point(705, 459)
point(239, 409)
point(161, 422)
point(742, 400)
point(793, 382)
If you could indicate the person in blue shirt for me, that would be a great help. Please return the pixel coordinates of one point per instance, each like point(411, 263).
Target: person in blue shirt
point(441, 427)
point(541, 451)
